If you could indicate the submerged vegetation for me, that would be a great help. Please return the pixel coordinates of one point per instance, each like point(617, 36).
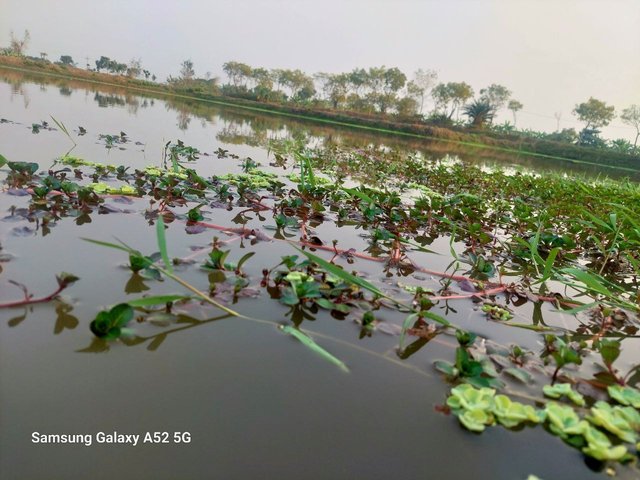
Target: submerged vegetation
point(552, 257)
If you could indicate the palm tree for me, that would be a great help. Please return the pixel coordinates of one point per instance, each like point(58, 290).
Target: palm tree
point(480, 113)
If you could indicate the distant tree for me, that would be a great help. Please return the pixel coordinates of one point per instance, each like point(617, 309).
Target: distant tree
point(567, 135)
point(495, 95)
point(278, 77)
point(262, 79)
point(237, 72)
point(394, 80)
point(590, 137)
point(103, 63)
point(381, 101)
point(335, 87)
point(514, 106)
point(186, 70)
point(450, 96)
point(480, 112)
point(17, 46)
point(595, 113)
point(146, 74)
point(383, 85)
point(43, 55)
point(558, 117)
point(67, 60)
point(117, 67)
point(296, 81)
point(358, 79)
point(306, 92)
point(631, 116)
point(407, 106)
point(422, 83)
point(622, 145)
point(414, 91)
point(134, 69)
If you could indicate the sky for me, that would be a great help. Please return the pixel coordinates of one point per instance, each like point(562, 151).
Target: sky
point(552, 54)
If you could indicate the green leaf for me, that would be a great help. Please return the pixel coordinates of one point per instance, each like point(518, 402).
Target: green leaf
point(324, 303)
point(3, 161)
point(109, 324)
point(65, 279)
point(121, 314)
point(446, 368)
point(519, 374)
point(511, 414)
point(599, 446)
point(194, 214)
point(308, 342)
point(156, 300)
point(563, 420)
point(609, 350)
point(289, 297)
point(470, 398)
point(23, 167)
point(475, 420)
point(244, 259)
point(162, 244)
point(139, 262)
point(217, 259)
point(614, 420)
point(625, 395)
point(465, 339)
point(560, 389)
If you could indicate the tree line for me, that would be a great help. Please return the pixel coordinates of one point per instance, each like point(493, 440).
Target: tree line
point(375, 90)
point(388, 90)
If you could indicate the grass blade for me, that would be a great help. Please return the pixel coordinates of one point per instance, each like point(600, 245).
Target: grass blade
point(573, 311)
point(590, 281)
point(162, 244)
point(109, 244)
point(436, 318)
point(410, 320)
point(156, 300)
point(308, 342)
point(63, 128)
point(357, 193)
point(344, 275)
point(548, 265)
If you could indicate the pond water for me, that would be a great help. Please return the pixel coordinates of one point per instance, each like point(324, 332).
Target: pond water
point(255, 402)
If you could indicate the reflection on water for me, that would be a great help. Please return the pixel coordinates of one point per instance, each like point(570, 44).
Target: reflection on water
point(234, 126)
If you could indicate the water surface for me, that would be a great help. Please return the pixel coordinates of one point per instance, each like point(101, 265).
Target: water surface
point(255, 402)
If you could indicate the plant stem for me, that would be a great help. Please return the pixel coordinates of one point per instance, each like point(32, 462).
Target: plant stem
point(31, 301)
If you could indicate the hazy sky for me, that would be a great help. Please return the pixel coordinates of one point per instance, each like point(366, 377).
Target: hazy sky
point(551, 53)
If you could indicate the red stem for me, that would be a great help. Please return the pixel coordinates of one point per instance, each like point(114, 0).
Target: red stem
point(31, 301)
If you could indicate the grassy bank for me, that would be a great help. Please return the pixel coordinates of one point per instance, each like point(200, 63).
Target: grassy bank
point(387, 124)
